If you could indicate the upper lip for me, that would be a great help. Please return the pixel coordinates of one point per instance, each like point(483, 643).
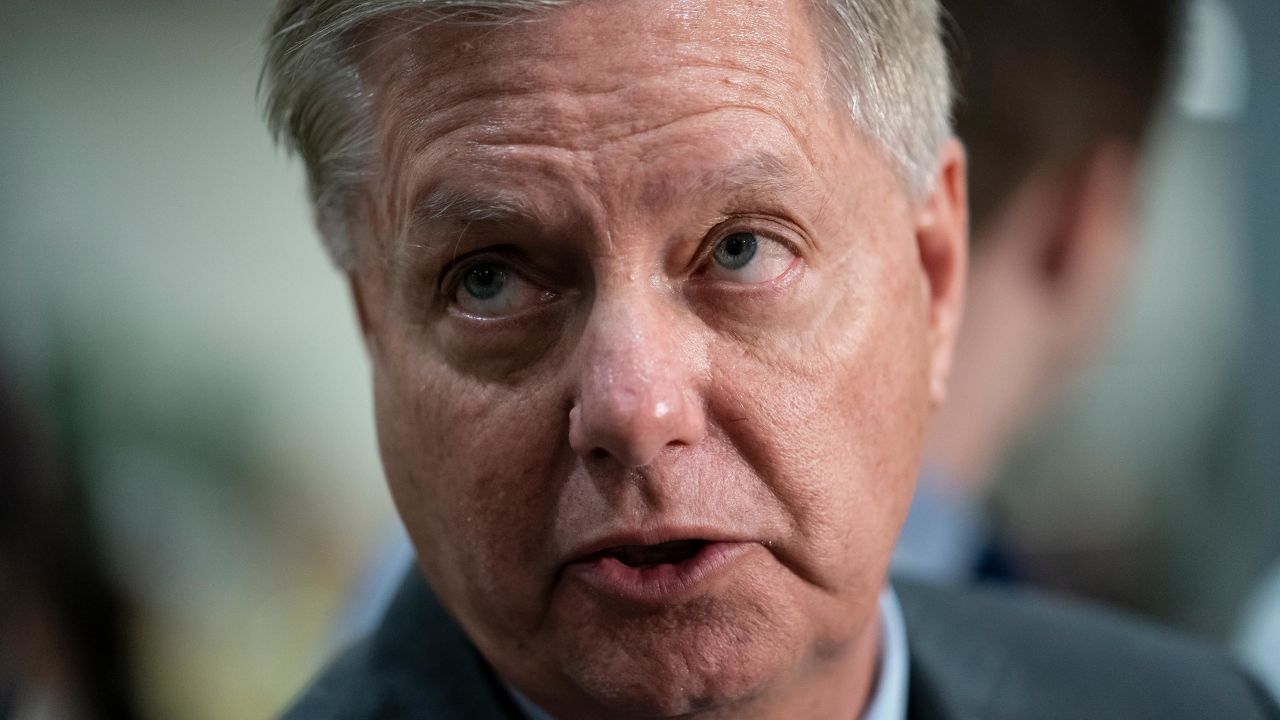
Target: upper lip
point(653, 536)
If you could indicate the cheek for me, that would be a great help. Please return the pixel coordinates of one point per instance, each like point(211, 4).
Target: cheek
point(469, 467)
point(832, 415)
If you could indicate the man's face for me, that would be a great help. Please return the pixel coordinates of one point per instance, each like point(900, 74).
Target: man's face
point(653, 331)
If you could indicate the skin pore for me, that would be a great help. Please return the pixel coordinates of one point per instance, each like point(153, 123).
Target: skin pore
point(628, 270)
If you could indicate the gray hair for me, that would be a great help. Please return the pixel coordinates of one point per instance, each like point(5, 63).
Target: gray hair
point(887, 55)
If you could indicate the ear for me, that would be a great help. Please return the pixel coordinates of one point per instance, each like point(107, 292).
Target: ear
point(942, 238)
point(1089, 231)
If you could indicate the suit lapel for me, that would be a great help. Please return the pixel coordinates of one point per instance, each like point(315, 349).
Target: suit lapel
point(434, 670)
point(923, 699)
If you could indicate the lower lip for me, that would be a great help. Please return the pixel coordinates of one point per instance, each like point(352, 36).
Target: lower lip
point(660, 583)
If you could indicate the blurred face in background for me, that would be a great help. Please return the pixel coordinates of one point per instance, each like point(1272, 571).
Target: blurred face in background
point(654, 331)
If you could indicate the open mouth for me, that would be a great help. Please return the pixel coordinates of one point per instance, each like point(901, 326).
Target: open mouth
point(660, 573)
point(669, 553)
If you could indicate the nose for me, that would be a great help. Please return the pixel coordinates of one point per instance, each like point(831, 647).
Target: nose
point(637, 392)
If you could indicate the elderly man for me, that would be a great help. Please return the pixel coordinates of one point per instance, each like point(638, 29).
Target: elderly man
point(658, 296)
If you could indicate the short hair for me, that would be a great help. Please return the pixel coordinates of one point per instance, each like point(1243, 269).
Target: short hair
point(1041, 83)
point(886, 55)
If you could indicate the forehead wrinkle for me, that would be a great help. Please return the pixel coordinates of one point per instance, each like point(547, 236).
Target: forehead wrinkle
point(473, 181)
point(420, 111)
point(762, 173)
point(466, 84)
point(765, 167)
point(571, 120)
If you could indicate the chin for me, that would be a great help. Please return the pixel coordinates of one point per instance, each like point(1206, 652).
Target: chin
point(706, 655)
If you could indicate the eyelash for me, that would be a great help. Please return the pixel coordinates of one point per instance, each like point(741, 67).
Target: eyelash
point(452, 276)
point(725, 229)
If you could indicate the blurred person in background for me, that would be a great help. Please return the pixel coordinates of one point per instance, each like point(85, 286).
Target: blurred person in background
point(1055, 101)
point(658, 297)
point(63, 623)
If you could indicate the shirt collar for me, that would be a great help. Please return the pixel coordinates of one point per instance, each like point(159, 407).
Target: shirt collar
point(888, 699)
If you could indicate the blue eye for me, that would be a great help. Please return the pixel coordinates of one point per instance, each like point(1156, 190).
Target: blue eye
point(736, 250)
point(748, 257)
point(492, 289)
point(484, 282)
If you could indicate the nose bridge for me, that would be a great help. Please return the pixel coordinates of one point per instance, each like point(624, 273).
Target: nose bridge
point(636, 392)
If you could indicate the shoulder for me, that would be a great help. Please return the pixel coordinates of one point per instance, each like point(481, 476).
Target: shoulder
point(1004, 653)
point(348, 688)
point(417, 664)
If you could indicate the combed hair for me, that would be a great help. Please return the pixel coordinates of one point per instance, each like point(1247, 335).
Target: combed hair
point(887, 56)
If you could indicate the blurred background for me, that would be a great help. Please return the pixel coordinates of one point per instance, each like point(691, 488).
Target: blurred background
point(189, 400)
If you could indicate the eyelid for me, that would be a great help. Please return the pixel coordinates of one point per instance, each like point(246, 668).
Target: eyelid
point(519, 272)
point(754, 224)
point(510, 259)
point(762, 225)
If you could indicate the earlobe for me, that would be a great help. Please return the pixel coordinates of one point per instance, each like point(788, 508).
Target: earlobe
point(942, 238)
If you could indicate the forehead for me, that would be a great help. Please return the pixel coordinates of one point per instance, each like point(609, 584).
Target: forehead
point(604, 77)
point(589, 46)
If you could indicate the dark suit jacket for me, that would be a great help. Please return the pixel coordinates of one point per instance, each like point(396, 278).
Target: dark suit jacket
point(975, 655)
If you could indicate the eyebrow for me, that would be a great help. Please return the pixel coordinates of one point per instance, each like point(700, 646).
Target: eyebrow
point(456, 206)
point(765, 172)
